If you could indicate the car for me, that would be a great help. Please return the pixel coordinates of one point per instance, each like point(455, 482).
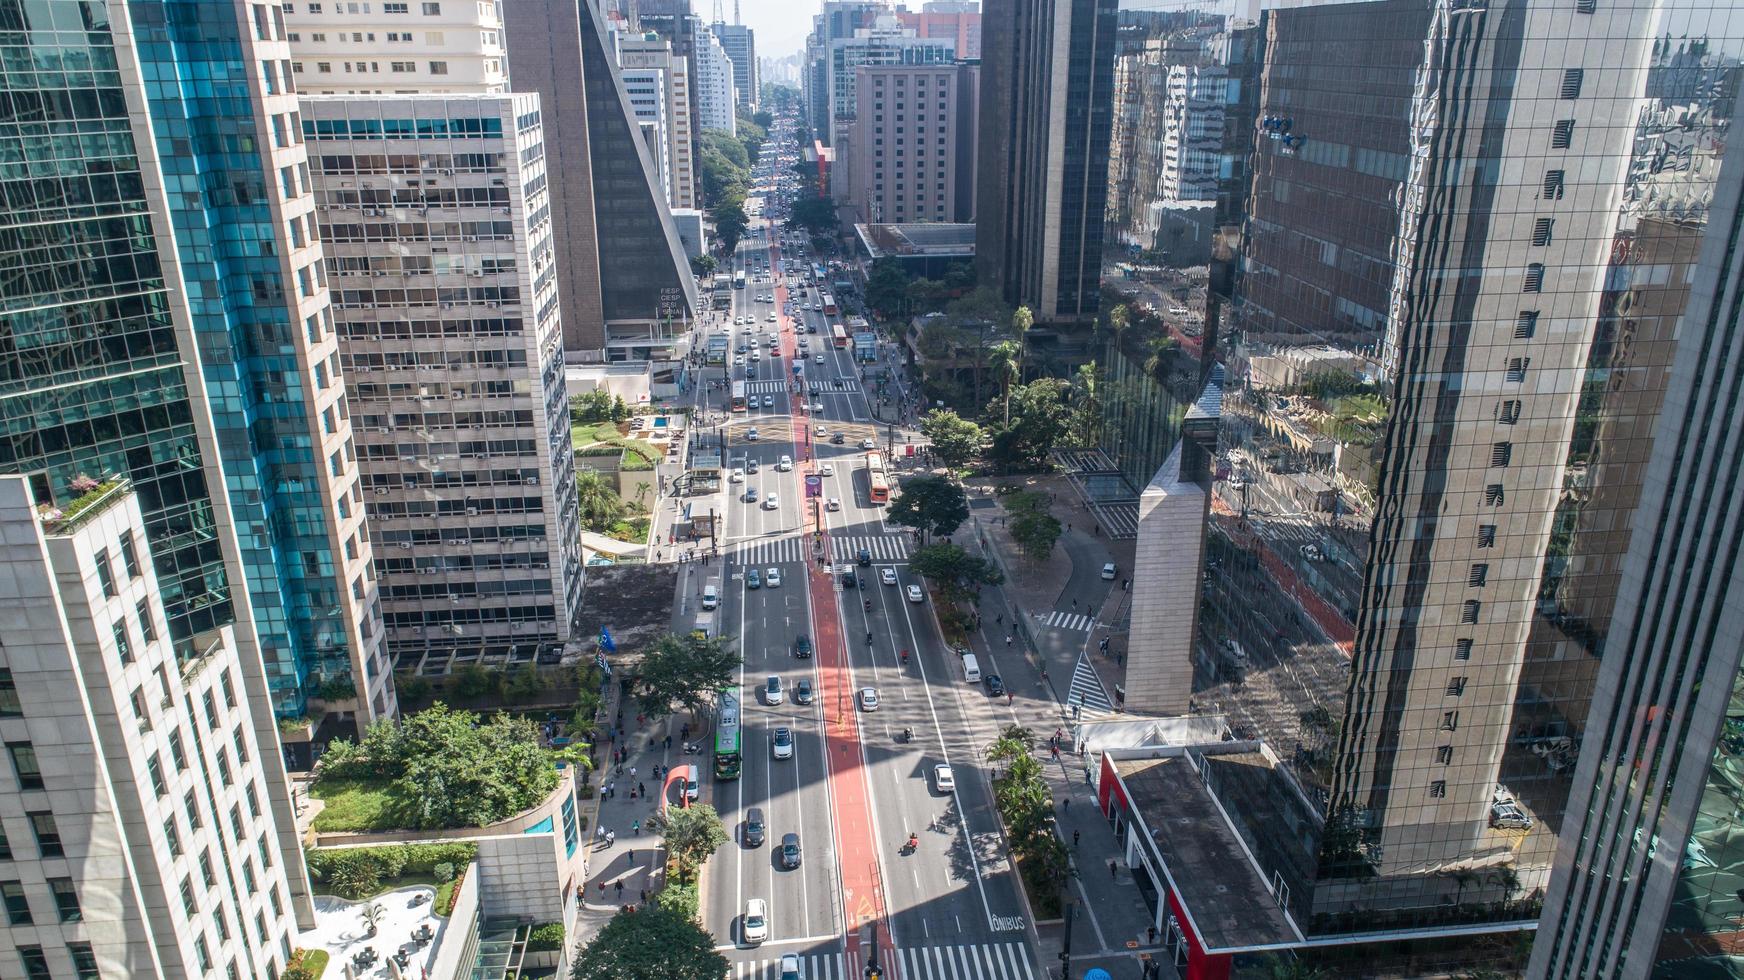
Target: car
point(864, 558)
point(1507, 815)
point(802, 647)
point(829, 469)
point(868, 699)
point(790, 851)
point(772, 578)
point(756, 356)
point(914, 594)
point(887, 576)
point(868, 444)
point(782, 745)
point(784, 464)
point(817, 358)
point(752, 466)
point(772, 318)
point(817, 407)
point(772, 502)
point(768, 401)
point(750, 495)
point(773, 691)
point(817, 307)
point(1312, 552)
point(736, 475)
point(751, 435)
point(833, 503)
point(802, 691)
point(943, 780)
point(790, 967)
point(822, 430)
point(837, 439)
point(995, 686)
point(755, 927)
point(739, 359)
point(755, 827)
point(849, 579)
point(753, 579)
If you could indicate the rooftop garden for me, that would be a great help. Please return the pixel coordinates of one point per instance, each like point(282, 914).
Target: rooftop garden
point(358, 873)
point(91, 492)
point(437, 769)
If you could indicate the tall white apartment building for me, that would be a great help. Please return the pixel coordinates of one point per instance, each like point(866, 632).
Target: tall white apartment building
point(649, 67)
point(1192, 132)
point(139, 838)
point(444, 286)
point(716, 96)
point(413, 47)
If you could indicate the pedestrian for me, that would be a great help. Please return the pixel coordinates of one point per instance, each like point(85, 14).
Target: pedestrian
point(620, 769)
point(641, 790)
point(636, 827)
point(1008, 639)
point(1074, 605)
point(999, 619)
point(633, 773)
point(1056, 751)
point(632, 855)
point(1076, 708)
point(618, 886)
point(602, 887)
point(1075, 834)
point(1150, 935)
point(611, 837)
point(644, 896)
point(1113, 872)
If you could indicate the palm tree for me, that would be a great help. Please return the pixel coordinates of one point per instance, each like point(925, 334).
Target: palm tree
point(597, 499)
point(1021, 322)
point(643, 489)
point(1005, 359)
point(1086, 404)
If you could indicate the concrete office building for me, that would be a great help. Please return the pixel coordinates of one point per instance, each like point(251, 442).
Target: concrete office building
point(908, 155)
point(648, 61)
point(1047, 75)
point(625, 287)
point(885, 42)
point(956, 21)
point(419, 46)
point(649, 98)
point(139, 804)
point(223, 112)
point(716, 95)
point(445, 301)
point(836, 22)
point(740, 44)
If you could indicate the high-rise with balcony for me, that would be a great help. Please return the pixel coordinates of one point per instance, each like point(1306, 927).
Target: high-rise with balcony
point(445, 302)
point(418, 46)
point(225, 119)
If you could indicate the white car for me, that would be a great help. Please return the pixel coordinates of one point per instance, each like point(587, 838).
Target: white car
point(817, 307)
point(943, 780)
point(784, 464)
point(829, 469)
point(773, 501)
point(868, 444)
point(790, 967)
point(768, 401)
point(832, 504)
point(817, 358)
point(772, 578)
point(739, 359)
point(751, 435)
point(756, 925)
point(736, 475)
point(783, 743)
point(756, 356)
point(822, 430)
point(817, 406)
point(868, 699)
point(887, 576)
point(914, 592)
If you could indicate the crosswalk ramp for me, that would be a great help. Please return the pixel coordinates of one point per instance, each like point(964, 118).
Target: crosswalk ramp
point(1086, 690)
point(1069, 621)
point(979, 961)
point(884, 547)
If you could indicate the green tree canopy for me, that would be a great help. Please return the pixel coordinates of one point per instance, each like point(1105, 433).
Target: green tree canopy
point(599, 502)
point(685, 670)
point(1040, 418)
point(814, 213)
point(955, 439)
point(887, 286)
point(704, 265)
point(1035, 534)
point(651, 943)
point(953, 570)
point(690, 834)
point(931, 505)
point(763, 118)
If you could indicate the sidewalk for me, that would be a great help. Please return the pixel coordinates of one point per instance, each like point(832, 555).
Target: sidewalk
point(629, 870)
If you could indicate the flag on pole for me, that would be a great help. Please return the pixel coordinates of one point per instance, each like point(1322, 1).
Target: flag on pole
point(605, 641)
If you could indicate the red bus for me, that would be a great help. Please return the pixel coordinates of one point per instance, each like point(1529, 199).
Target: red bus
point(839, 336)
point(738, 396)
point(876, 479)
point(829, 303)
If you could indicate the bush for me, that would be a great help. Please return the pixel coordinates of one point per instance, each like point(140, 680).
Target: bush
point(305, 964)
point(443, 871)
point(546, 937)
point(681, 898)
point(358, 872)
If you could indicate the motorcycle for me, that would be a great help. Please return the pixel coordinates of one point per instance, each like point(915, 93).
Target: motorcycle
point(868, 605)
point(908, 734)
point(911, 845)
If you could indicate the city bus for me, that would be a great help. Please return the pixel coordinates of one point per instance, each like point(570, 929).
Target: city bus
point(817, 275)
point(738, 396)
point(739, 279)
point(839, 336)
point(729, 743)
point(877, 480)
point(829, 304)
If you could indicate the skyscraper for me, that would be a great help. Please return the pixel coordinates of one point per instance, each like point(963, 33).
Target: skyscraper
point(922, 169)
point(740, 44)
point(648, 62)
point(1047, 76)
point(716, 92)
point(256, 279)
point(417, 48)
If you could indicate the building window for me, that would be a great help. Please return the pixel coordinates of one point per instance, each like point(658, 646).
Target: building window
point(1541, 231)
point(154, 769)
point(1585, 6)
point(1486, 535)
point(1517, 368)
point(1462, 649)
point(438, 67)
point(48, 835)
point(432, 10)
point(1501, 453)
point(207, 875)
point(1525, 324)
point(1572, 78)
point(147, 625)
point(9, 704)
point(1508, 412)
point(190, 904)
point(178, 755)
point(17, 905)
point(35, 963)
point(1562, 134)
point(129, 555)
point(1478, 575)
point(66, 899)
point(202, 955)
point(172, 836)
point(1444, 754)
point(84, 960)
point(1534, 281)
point(191, 803)
point(24, 765)
point(396, 8)
point(1438, 788)
point(1494, 495)
point(1456, 687)
point(1553, 180)
point(1449, 721)
point(123, 646)
point(105, 574)
point(1468, 612)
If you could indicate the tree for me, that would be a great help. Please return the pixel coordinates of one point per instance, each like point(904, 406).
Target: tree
point(764, 119)
point(1035, 534)
point(599, 502)
point(1086, 422)
point(690, 834)
point(930, 504)
point(1118, 319)
point(1021, 322)
point(953, 570)
point(591, 406)
point(814, 213)
point(1006, 359)
point(955, 440)
point(704, 265)
point(374, 914)
point(925, 295)
point(886, 286)
point(685, 670)
point(1039, 416)
point(650, 942)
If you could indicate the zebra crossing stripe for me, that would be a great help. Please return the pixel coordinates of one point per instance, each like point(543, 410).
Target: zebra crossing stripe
point(1087, 687)
point(816, 966)
point(1069, 621)
point(980, 961)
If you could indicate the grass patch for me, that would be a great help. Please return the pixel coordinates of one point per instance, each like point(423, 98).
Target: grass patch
point(607, 431)
point(306, 964)
point(354, 805)
point(634, 530)
point(446, 891)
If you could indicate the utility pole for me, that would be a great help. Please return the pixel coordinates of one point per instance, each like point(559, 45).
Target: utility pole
point(1066, 946)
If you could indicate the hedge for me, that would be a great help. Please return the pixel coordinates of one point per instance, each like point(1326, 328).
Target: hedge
point(356, 872)
point(547, 937)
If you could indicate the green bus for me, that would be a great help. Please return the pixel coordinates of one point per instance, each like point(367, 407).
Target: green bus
point(729, 743)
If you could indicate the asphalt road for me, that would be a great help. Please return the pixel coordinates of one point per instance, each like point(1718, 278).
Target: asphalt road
point(952, 909)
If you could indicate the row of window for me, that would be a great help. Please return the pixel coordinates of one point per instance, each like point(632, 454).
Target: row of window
point(429, 8)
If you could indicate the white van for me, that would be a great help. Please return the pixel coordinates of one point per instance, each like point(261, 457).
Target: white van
point(971, 669)
point(687, 778)
point(711, 596)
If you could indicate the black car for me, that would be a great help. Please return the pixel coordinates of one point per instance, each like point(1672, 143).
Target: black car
point(849, 579)
point(802, 692)
point(995, 686)
point(755, 828)
point(790, 851)
point(864, 558)
point(802, 647)
point(837, 439)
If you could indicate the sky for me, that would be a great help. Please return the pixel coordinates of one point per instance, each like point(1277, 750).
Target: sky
point(781, 25)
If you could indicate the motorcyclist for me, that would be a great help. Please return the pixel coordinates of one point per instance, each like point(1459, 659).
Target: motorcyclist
point(905, 656)
point(907, 734)
point(913, 840)
point(868, 636)
point(868, 603)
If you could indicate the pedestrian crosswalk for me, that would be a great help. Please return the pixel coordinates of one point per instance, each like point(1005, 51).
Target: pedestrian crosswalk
point(978, 961)
point(774, 551)
point(1086, 691)
point(770, 551)
point(1117, 519)
point(1068, 621)
point(765, 387)
point(884, 547)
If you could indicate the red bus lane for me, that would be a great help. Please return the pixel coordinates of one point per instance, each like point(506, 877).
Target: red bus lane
point(862, 886)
